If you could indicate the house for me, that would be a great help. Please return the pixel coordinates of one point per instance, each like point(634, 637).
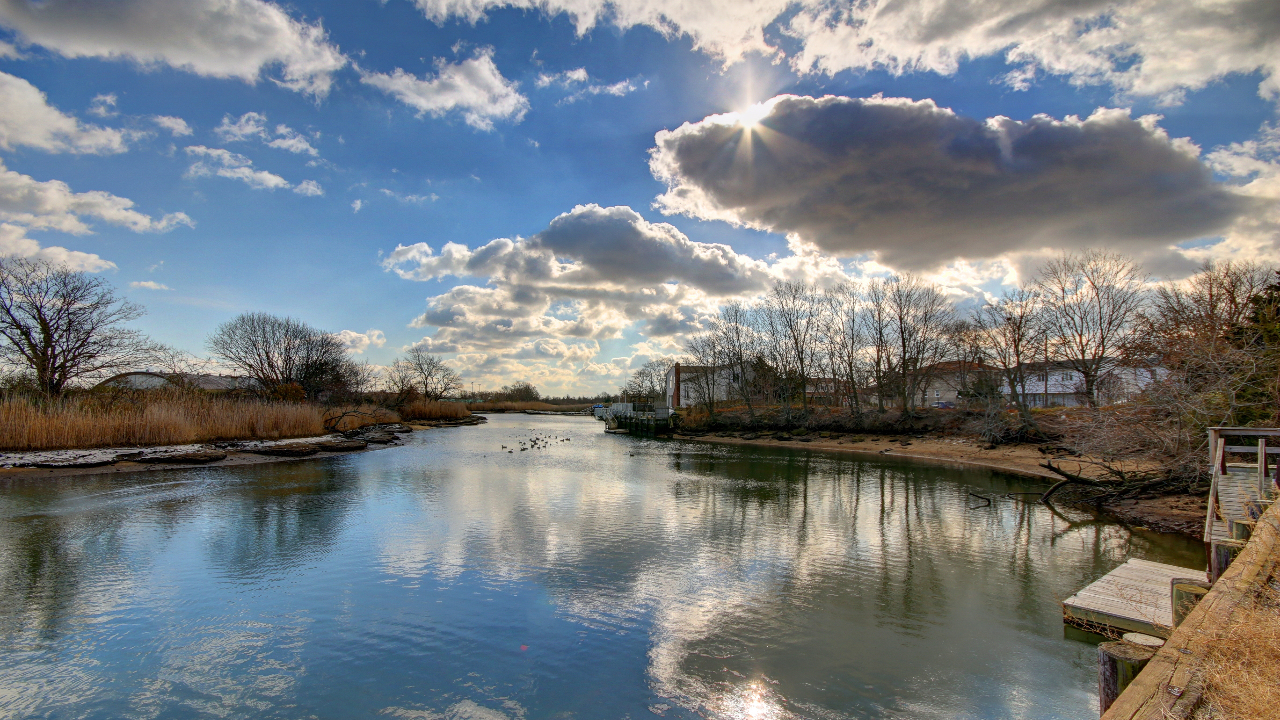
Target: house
point(1058, 384)
point(687, 386)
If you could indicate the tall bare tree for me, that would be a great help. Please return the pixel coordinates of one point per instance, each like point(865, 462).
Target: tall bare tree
point(649, 379)
point(846, 341)
point(278, 351)
point(919, 316)
point(434, 378)
point(879, 331)
point(703, 380)
point(1092, 301)
point(1011, 330)
point(65, 325)
point(739, 343)
point(791, 311)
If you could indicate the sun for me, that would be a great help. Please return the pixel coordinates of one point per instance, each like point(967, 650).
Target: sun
point(752, 116)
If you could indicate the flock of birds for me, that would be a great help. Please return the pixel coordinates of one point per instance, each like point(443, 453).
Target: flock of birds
point(538, 442)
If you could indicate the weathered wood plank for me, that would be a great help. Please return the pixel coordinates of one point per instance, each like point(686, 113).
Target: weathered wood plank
point(1134, 596)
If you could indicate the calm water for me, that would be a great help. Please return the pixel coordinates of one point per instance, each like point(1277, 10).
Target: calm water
point(606, 577)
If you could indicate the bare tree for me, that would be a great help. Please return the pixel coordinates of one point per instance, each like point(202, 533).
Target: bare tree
point(846, 341)
point(919, 316)
point(521, 391)
point(434, 378)
point(1011, 331)
point(65, 325)
point(707, 359)
point(739, 344)
point(879, 330)
point(277, 352)
point(1092, 301)
point(649, 379)
point(791, 311)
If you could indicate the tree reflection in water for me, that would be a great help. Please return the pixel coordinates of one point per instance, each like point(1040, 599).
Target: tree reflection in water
point(605, 577)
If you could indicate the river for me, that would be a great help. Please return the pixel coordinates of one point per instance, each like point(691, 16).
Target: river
point(599, 577)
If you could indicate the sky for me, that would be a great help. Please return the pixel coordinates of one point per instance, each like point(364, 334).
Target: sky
point(561, 190)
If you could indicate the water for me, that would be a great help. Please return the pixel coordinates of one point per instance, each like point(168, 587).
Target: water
point(606, 577)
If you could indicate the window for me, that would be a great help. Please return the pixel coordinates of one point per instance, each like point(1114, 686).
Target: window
point(1041, 377)
point(937, 393)
point(1068, 376)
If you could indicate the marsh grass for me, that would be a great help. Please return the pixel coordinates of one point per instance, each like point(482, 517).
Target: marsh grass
point(431, 410)
point(162, 418)
point(1240, 673)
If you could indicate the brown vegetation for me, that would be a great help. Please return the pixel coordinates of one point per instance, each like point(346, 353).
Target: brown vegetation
point(433, 410)
point(1241, 671)
point(162, 418)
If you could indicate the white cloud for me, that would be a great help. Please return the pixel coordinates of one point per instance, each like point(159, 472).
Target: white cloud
point(591, 274)
point(247, 127)
point(292, 140)
point(175, 125)
point(26, 118)
point(356, 343)
point(474, 87)
point(1254, 167)
point(356, 205)
point(1144, 47)
point(52, 205)
point(413, 199)
point(253, 126)
point(310, 188)
point(149, 285)
point(566, 78)
point(922, 186)
point(217, 38)
point(15, 243)
point(618, 89)
point(104, 105)
point(227, 164)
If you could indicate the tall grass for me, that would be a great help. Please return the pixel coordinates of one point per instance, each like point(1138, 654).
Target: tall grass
point(157, 418)
point(519, 406)
point(431, 410)
point(1240, 678)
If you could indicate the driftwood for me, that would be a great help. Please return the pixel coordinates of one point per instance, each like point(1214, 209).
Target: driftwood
point(1123, 484)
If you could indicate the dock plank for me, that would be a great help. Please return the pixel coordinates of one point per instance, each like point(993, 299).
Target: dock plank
point(1132, 597)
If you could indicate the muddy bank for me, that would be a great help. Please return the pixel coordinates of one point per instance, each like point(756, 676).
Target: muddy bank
point(96, 461)
point(1175, 513)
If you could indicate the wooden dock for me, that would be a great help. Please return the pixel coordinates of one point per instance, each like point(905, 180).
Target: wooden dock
point(1134, 597)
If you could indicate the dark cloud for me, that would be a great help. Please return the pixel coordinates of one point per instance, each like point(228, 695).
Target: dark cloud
point(921, 185)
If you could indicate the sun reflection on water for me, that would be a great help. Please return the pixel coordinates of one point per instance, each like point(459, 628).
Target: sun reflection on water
point(752, 701)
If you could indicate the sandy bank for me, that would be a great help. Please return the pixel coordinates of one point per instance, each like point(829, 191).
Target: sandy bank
point(1176, 513)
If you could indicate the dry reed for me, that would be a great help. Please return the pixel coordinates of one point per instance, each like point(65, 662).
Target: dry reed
point(1240, 673)
point(161, 419)
point(431, 410)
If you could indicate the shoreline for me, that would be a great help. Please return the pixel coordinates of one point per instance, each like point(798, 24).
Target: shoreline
point(1181, 514)
point(235, 456)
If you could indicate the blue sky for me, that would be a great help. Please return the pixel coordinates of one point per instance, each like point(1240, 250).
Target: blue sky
point(319, 159)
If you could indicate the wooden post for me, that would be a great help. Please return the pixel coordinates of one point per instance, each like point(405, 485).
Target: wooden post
point(1263, 480)
point(1184, 595)
point(1242, 529)
point(1118, 664)
point(1222, 552)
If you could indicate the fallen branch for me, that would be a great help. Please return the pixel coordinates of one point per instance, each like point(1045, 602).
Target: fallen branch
point(1067, 479)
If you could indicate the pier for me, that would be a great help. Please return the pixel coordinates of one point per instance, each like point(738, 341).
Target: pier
point(1134, 597)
